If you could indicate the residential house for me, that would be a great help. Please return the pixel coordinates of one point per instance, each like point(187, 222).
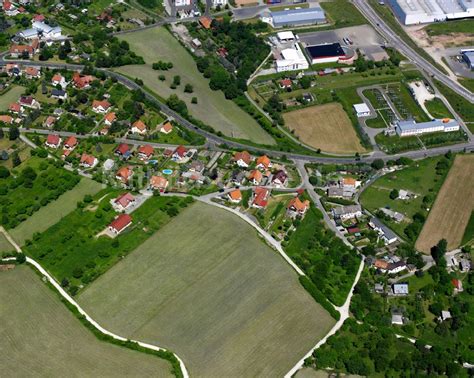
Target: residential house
point(10, 9)
point(110, 118)
point(158, 183)
point(59, 79)
point(349, 182)
point(465, 265)
point(285, 84)
point(385, 233)
point(255, 177)
point(145, 152)
point(166, 128)
point(88, 161)
point(53, 141)
point(29, 102)
point(82, 82)
point(396, 267)
point(260, 197)
point(196, 166)
point(15, 108)
point(70, 143)
point(445, 315)
point(100, 106)
point(243, 159)
point(347, 212)
point(205, 22)
point(59, 94)
point(400, 289)
point(13, 69)
point(123, 151)
point(124, 174)
point(24, 51)
point(235, 196)
point(457, 285)
point(38, 17)
point(280, 178)
point(397, 319)
point(32, 72)
point(6, 119)
point(179, 154)
point(297, 207)
point(123, 202)
point(263, 162)
point(138, 127)
point(237, 177)
point(65, 153)
point(380, 264)
point(120, 223)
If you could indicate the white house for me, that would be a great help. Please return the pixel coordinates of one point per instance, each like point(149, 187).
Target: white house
point(222, 3)
point(286, 36)
point(47, 31)
point(292, 59)
point(347, 212)
point(362, 110)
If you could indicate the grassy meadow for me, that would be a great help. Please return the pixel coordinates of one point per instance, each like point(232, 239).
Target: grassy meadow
point(11, 95)
point(215, 294)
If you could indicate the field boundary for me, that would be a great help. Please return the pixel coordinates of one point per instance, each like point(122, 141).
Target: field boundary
point(102, 333)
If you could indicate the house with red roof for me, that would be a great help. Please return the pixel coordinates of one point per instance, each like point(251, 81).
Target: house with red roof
point(179, 154)
point(15, 108)
point(82, 82)
point(457, 285)
point(138, 127)
point(242, 159)
point(120, 223)
point(260, 197)
point(123, 202)
point(10, 9)
point(110, 118)
point(29, 102)
point(49, 122)
point(100, 106)
point(70, 143)
point(65, 154)
point(88, 161)
point(263, 162)
point(53, 141)
point(145, 152)
point(166, 128)
point(123, 150)
point(20, 51)
point(124, 174)
point(58, 79)
point(32, 72)
point(285, 83)
point(6, 119)
point(158, 183)
point(38, 17)
point(296, 207)
point(255, 177)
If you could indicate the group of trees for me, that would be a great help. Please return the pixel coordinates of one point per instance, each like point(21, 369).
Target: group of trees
point(162, 66)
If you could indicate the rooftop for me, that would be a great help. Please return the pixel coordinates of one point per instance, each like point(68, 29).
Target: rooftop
point(411, 124)
point(298, 15)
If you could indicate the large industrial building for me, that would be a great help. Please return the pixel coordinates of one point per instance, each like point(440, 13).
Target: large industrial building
point(329, 53)
point(468, 57)
point(292, 59)
point(295, 17)
point(410, 127)
point(411, 12)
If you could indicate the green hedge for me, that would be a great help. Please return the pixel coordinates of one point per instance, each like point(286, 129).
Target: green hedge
point(319, 297)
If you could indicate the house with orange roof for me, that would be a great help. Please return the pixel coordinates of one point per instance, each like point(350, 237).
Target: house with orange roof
point(65, 153)
point(53, 141)
point(20, 51)
point(88, 161)
point(120, 223)
point(32, 72)
point(205, 22)
point(297, 207)
point(242, 159)
point(15, 108)
point(260, 197)
point(100, 106)
point(166, 128)
point(263, 162)
point(235, 196)
point(158, 183)
point(70, 143)
point(59, 79)
point(124, 174)
point(138, 127)
point(145, 152)
point(6, 119)
point(350, 182)
point(82, 82)
point(255, 177)
point(110, 118)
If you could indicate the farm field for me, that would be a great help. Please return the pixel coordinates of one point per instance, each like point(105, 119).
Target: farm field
point(326, 127)
point(12, 95)
point(54, 211)
point(452, 209)
point(216, 295)
point(5, 245)
point(446, 28)
point(212, 108)
point(41, 337)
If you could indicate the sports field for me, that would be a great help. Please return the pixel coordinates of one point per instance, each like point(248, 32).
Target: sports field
point(213, 109)
point(53, 212)
point(326, 127)
point(40, 337)
point(452, 209)
point(12, 95)
point(206, 287)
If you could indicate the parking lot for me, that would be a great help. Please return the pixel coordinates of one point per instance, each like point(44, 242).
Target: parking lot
point(457, 65)
point(363, 37)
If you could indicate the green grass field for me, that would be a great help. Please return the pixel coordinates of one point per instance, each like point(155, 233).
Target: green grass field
point(212, 108)
point(437, 109)
point(462, 106)
point(215, 294)
point(343, 14)
point(443, 28)
point(5, 245)
point(12, 95)
point(41, 337)
point(469, 231)
point(54, 211)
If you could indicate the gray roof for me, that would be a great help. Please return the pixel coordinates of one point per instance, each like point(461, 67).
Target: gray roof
point(411, 124)
point(346, 209)
point(290, 16)
point(388, 233)
point(400, 288)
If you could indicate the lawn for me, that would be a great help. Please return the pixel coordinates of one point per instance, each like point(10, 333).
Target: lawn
point(326, 127)
point(452, 209)
point(437, 109)
point(213, 293)
point(72, 249)
point(420, 178)
point(12, 95)
point(213, 109)
point(5, 245)
point(342, 13)
point(458, 26)
point(41, 337)
point(462, 106)
point(54, 211)
point(469, 231)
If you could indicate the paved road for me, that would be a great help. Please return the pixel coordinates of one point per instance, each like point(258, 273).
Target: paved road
point(395, 40)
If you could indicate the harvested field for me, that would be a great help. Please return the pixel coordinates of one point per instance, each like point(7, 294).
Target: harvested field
point(452, 209)
point(326, 127)
point(40, 337)
point(215, 294)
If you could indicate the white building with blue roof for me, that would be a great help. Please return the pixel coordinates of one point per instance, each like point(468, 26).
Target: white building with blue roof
point(410, 127)
point(296, 17)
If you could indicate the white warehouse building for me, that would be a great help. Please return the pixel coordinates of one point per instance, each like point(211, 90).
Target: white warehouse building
point(411, 12)
point(410, 127)
point(292, 59)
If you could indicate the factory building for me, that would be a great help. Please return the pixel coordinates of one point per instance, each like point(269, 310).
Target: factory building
point(410, 127)
point(292, 59)
point(295, 17)
point(329, 53)
point(468, 57)
point(412, 12)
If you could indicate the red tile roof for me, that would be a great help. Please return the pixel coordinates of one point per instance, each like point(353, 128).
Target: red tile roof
point(122, 221)
point(6, 119)
point(146, 150)
point(125, 199)
point(298, 205)
point(102, 103)
point(53, 139)
point(261, 197)
point(122, 148)
point(180, 151)
point(139, 125)
point(158, 182)
point(110, 117)
point(244, 156)
point(15, 107)
point(70, 142)
point(124, 173)
point(87, 159)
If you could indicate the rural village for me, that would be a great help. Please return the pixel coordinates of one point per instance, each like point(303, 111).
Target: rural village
point(233, 188)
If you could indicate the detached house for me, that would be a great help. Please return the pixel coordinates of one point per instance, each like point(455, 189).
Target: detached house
point(255, 177)
point(120, 223)
point(145, 152)
point(110, 118)
point(59, 79)
point(82, 82)
point(235, 196)
point(10, 9)
point(123, 202)
point(158, 183)
point(100, 107)
point(166, 128)
point(263, 162)
point(29, 102)
point(280, 178)
point(123, 151)
point(260, 197)
point(297, 207)
point(179, 154)
point(60, 94)
point(138, 127)
point(15, 108)
point(53, 141)
point(347, 212)
point(24, 51)
point(124, 174)
point(242, 159)
point(6, 119)
point(70, 143)
point(32, 72)
point(88, 161)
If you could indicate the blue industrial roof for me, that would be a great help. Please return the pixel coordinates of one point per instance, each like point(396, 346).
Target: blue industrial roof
point(298, 15)
point(411, 124)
